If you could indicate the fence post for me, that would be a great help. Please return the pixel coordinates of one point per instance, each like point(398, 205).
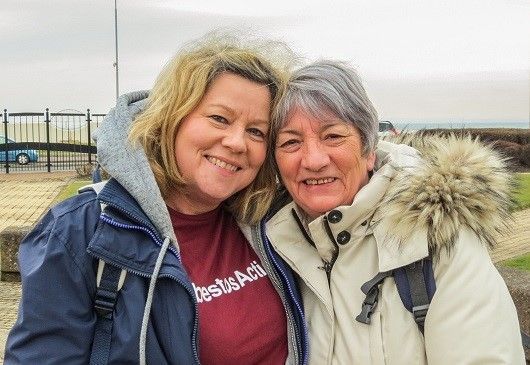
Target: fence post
point(89, 139)
point(48, 162)
point(5, 141)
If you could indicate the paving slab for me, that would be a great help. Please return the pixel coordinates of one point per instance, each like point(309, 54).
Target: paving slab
point(25, 197)
point(9, 298)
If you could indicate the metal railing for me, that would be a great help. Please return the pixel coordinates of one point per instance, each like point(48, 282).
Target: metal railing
point(47, 141)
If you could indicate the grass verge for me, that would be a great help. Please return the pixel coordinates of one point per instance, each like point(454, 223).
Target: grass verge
point(70, 190)
point(521, 195)
point(521, 262)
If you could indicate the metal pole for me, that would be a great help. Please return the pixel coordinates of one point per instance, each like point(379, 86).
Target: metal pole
point(116, 43)
point(89, 139)
point(5, 141)
point(48, 162)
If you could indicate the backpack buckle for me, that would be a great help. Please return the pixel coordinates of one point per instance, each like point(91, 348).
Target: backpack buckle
point(109, 280)
point(105, 302)
point(420, 313)
point(369, 304)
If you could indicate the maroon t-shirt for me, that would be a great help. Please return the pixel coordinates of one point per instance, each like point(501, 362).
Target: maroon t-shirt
point(241, 316)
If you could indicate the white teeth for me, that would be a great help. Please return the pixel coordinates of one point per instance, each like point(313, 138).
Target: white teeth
point(319, 181)
point(222, 164)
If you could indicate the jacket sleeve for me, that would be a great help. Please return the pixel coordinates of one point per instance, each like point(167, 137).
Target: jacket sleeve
point(56, 319)
point(472, 318)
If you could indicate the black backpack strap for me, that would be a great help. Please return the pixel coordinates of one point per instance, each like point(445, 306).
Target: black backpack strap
point(110, 279)
point(418, 292)
point(371, 289)
point(416, 286)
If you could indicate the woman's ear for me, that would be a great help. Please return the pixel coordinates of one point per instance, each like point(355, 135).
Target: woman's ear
point(370, 161)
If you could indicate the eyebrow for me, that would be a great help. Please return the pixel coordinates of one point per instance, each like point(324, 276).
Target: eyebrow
point(289, 131)
point(327, 125)
point(222, 106)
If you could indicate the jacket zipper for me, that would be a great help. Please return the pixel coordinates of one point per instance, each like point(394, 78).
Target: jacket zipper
point(267, 246)
point(143, 228)
point(276, 281)
point(155, 239)
point(328, 265)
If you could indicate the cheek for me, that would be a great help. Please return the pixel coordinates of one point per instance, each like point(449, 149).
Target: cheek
point(258, 155)
point(353, 166)
point(358, 172)
point(283, 165)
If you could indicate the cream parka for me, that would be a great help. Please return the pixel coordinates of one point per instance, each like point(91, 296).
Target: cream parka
point(449, 199)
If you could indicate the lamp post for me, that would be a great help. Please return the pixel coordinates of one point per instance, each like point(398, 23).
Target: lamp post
point(116, 47)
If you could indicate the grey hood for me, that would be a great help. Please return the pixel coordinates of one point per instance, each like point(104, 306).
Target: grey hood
point(128, 164)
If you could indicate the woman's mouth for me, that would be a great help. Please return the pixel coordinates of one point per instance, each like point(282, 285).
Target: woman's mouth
point(222, 164)
point(326, 180)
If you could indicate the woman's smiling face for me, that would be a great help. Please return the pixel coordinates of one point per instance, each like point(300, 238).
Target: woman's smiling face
point(321, 162)
point(221, 144)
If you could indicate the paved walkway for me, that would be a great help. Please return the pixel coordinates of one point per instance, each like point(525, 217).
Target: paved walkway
point(515, 241)
point(25, 197)
point(9, 296)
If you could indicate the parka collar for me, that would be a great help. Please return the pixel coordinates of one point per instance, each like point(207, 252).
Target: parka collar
point(127, 238)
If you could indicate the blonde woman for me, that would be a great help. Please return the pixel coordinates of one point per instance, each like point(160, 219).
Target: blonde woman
point(190, 175)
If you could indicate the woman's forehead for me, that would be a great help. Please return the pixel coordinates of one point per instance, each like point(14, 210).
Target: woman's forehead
point(323, 116)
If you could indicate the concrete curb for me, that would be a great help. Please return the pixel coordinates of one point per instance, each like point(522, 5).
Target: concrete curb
point(10, 239)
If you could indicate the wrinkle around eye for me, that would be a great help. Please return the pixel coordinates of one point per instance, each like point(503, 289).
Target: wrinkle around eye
point(289, 145)
point(257, 133)
point(334, 136)
point(218, 118)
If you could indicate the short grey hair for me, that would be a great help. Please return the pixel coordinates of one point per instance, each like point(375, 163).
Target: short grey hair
point(328, 87)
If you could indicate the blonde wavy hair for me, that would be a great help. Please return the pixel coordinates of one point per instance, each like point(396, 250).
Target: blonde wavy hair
point(180, 87)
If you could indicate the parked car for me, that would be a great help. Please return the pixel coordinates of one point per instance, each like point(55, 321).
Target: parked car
point(22, 156)
point(386, 128)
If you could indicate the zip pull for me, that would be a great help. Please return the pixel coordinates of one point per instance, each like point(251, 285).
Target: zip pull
point(327, 266)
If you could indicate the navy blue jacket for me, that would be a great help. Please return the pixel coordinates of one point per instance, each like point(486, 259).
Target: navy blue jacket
point(58, 263)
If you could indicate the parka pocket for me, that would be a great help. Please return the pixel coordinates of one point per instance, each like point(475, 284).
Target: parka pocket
point(377, 350)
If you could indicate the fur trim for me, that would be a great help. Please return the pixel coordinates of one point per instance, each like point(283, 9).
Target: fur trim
point(460, 183)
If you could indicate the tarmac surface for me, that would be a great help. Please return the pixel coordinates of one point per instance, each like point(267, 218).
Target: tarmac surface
point(25, 197)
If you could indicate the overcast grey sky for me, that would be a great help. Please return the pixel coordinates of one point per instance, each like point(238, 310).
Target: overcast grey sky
point(428, 59)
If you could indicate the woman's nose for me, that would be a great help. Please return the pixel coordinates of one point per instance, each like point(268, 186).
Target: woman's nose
point(235, 140)
point(314, 157)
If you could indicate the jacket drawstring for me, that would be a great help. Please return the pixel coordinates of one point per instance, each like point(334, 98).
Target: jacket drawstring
point(149, 301)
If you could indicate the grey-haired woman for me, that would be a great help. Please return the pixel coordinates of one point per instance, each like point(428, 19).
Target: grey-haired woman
point(357, 210)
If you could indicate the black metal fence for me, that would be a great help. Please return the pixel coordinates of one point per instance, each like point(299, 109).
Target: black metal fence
point(47, 141)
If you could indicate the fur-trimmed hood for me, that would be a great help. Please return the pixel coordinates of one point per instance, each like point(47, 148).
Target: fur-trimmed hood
point(459, 183)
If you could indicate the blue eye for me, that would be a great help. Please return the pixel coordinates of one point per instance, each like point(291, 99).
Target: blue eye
point(218, 118)
point(256, 132)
